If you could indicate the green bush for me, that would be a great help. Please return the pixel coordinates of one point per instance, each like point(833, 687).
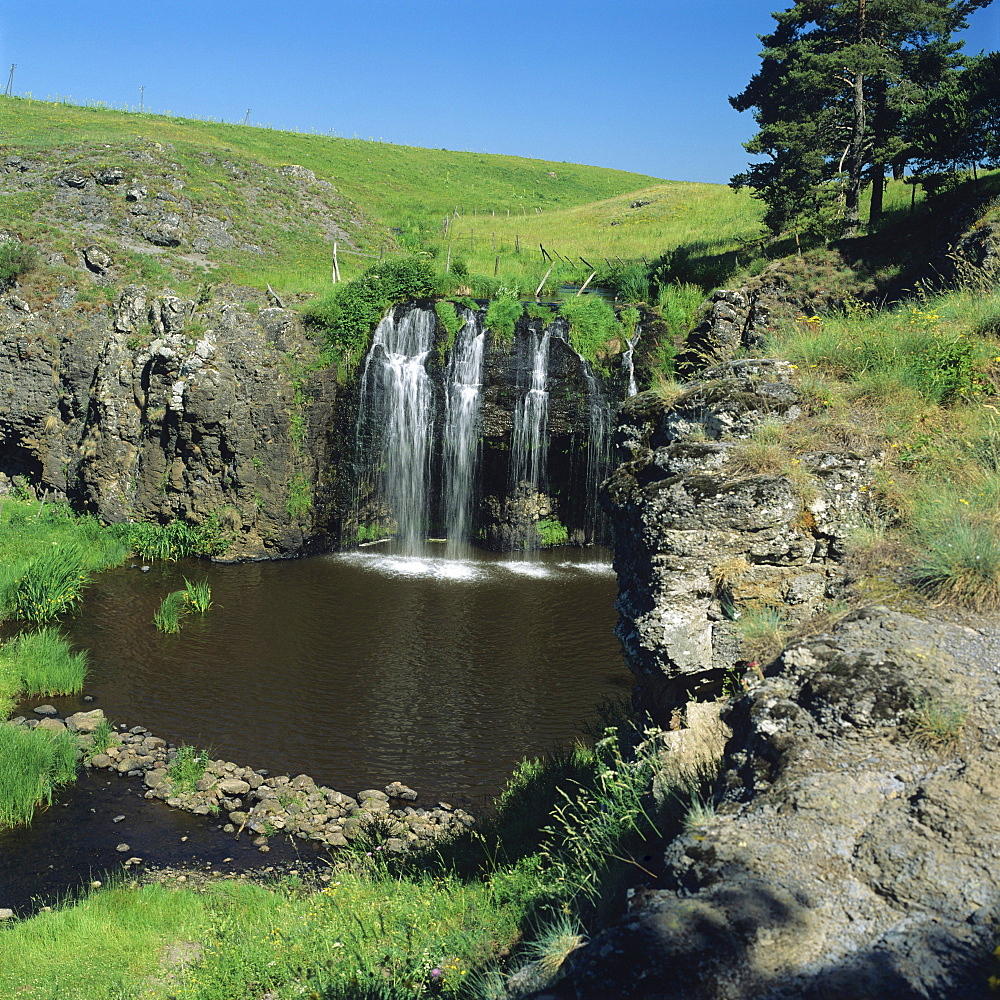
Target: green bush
point(501, 318)
point(592, 326)
point(349, 312)
point(16, 260)
point(450, 321)
point(551, 531)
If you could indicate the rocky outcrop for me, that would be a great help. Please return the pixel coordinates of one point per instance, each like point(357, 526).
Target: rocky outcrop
point(713, 525)
point(144, 197)
point(852, 854)
point(169, 409)
point(248, 800)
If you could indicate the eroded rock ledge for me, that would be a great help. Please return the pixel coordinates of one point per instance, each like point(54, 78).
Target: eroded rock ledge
point(852, 852)
point(700, 534)
point(848, 858)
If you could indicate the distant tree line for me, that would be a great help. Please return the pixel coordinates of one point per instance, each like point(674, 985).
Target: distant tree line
point(850, 89)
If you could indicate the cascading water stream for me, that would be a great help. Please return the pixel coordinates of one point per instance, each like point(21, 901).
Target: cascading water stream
point(598, 448)
point(460, 443)
point(529, 440)
point(628, 360)
point(396, 419)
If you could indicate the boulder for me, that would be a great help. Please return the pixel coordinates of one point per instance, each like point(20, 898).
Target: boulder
point(85, 722)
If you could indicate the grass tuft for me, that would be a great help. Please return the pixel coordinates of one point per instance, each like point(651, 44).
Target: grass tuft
point(937, 725)
point(961, 562)
point(187, 768)
point(33, 763)
point(41, 663)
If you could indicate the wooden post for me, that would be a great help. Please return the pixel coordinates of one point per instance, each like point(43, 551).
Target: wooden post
point(587, 262)
point(583, 287)
point(447, 263)
point(472, 241)
point(541, 284)
point(545, 254)
point(517, 244)
point(494, 242)
point(336, 264)
point(496, 266)
point(444, 228)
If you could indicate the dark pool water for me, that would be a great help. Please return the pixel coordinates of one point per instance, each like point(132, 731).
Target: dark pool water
point(358, 669)
point(365, 667)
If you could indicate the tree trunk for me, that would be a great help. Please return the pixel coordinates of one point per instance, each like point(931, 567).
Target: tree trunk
point(856, 150)
point(855, 159)
point(878, 187)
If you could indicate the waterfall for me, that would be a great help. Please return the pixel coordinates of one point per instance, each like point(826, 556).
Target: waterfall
point(460, 443)
point(396, 419)
point(529, 441)
point(598, 448)
point(628, 360)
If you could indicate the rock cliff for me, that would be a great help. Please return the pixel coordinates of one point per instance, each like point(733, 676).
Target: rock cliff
point(167, 409)
point(851, 850)
point(713, 525)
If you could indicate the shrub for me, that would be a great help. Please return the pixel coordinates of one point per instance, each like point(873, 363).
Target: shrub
point(451, 322)
point(16, 260)
point(502, 316)
point(592, 326)
point(551, 531)
point(349, 312)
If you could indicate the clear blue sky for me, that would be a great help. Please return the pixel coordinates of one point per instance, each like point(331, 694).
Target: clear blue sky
point(635, 84)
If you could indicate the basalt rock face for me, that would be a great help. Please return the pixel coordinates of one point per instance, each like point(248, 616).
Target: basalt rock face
point(853, 854)
point(702, 537)
point(162, 412)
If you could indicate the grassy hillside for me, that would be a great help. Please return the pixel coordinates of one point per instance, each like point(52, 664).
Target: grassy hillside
point(393, 183)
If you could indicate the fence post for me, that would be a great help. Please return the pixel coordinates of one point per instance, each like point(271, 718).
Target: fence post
point(541, 284)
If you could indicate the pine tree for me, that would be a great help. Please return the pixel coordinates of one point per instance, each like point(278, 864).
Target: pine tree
point(838, 79)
